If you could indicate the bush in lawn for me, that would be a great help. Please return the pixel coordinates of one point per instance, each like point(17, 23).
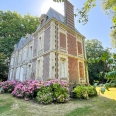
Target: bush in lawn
point(45, 95)
point(53, 91)
point(8, 86)
point(84, 92)
point(60, 91)
point(27, 89)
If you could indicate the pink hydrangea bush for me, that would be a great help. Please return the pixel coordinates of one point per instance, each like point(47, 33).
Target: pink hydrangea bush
point(8, 86)
point(27, 89)
point(53, 91)
point(46, 92)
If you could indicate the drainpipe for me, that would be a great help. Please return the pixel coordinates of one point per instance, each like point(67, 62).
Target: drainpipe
point(56, 35)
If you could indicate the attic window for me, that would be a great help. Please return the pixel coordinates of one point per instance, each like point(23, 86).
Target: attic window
point(42, 21)
point(43, 18)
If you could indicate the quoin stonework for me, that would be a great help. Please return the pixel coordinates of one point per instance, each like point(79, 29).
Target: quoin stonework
point(55, 50)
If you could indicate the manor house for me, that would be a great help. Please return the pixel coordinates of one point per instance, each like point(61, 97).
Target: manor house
point(55, 50)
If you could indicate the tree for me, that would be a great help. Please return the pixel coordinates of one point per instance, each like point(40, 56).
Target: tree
point(110, 7)
point(94, 50)
point(12, 27)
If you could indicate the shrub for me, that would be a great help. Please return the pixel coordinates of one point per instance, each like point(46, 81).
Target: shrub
point(27, 90)
point(8, 86)
point(45, 95)
point(53, 91)
point(45, 92)
point(60, 93)
point(84, 92)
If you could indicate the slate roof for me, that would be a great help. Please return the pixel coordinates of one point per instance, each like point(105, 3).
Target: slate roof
point(50, 14)
point(54, 14)
point(23, 41)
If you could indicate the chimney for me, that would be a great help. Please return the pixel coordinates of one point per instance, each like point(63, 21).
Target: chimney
point(69, 13)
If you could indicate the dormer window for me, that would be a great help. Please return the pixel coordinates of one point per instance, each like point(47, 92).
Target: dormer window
point(42, 21)
point(42, 18)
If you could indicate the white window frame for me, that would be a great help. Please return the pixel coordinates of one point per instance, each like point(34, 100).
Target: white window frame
point(62, 68)
point(40, 43)
point(30, 51)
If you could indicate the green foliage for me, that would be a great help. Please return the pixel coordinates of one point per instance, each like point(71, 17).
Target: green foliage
point(12, 27)
point(3, 67)
point(110, 75)
point(96, 65)
point(60, 94)
point(110, 7)
point(45, 95)
point(53, 92)
point(84, 92)
point(83, 12)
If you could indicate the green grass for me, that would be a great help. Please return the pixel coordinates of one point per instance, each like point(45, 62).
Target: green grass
point(80, 111)
point(97, 106)
point(5, 106)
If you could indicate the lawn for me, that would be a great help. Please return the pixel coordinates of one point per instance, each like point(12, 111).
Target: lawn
point(102, 105)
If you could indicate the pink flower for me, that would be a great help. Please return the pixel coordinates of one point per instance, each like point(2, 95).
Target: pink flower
point(26, 99)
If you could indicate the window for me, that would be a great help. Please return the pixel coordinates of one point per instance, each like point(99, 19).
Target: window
point(20, 57)
point(79, 47)
point(24, 55)
point(42, 21)
point(62, 41)
point(29, 72)
point(30, 49)
point(62, 68)
point(81, 68)
point(12, 60)
point(40, 44)
point(11, 71)
point(38, 70)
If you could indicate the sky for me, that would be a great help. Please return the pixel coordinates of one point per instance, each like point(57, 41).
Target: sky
point(98, 26)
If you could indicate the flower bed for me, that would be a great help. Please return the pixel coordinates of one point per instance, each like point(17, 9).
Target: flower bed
point(8, 86)
point(45, 92)
point(27, 89)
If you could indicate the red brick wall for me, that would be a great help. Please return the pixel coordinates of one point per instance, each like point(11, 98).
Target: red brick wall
point(35, 47)
point(33, 69)
point(79, 47)
point(71, 45)
point(46, 64)
point(73, 69)
point(47, 39)
point(81, 69)
point(62, 40)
